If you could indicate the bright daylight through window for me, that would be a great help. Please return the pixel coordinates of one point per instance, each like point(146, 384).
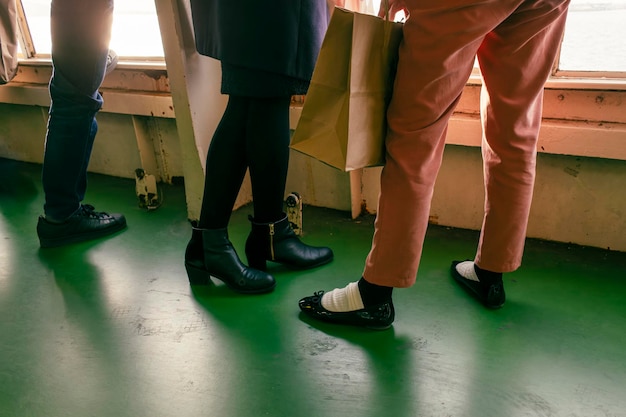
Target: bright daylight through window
point(594, 36)
point(135, 28)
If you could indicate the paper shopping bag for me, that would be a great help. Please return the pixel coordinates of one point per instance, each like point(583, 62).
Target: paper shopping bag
point(343, 120)
point(8, 40)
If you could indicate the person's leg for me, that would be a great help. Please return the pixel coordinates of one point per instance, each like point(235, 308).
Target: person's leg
point(209, 252)
point(267, 152)
point(436, 58)
point(226, 165)
point(80, 42)
point(523, 48)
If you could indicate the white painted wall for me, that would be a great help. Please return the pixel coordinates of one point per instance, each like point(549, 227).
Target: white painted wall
point(577, 199)
point(580, 194)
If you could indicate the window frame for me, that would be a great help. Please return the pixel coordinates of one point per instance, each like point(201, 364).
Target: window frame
point(559, 78)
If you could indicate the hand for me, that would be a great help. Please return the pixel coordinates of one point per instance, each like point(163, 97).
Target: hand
point(395, 6)
point(337, 3)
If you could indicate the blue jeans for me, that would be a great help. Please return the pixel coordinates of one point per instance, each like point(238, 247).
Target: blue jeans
point(81, 31)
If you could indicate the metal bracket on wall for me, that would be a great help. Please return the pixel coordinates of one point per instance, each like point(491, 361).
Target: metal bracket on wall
point(293, 205)
point(146, 190)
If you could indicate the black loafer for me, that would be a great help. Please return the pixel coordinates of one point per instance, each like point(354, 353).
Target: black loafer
point(490, 295)
point(378, 317)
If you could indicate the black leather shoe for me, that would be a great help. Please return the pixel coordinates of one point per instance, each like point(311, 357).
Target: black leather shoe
point(277, 242)
point(210, 253)
point(491, 295)
point(378, 317)
point(85, 224)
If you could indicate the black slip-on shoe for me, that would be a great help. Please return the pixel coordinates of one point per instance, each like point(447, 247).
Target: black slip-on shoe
point(378, 317)
point(85, 224)
point(490, 295)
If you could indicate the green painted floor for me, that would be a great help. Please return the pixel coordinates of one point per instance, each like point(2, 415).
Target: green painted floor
point(112, 328)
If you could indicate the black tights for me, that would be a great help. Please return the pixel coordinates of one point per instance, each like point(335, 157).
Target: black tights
point(254, 134)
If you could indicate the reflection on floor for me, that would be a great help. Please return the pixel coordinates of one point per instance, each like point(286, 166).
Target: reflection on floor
point(112, 328)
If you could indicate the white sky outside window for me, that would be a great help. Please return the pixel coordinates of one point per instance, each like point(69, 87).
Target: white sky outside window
point(594, 37)
point(135, 28)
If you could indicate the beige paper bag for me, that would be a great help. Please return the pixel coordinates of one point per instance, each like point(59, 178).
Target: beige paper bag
point(343, 120)
point(8, 40)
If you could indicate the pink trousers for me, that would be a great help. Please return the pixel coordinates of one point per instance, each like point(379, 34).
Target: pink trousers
point(516, 42)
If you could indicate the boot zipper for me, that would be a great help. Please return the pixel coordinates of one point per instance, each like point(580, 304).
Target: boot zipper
point(272, 240)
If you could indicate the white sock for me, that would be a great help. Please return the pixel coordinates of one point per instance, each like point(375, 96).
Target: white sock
point(467, 271)
point(343, 299)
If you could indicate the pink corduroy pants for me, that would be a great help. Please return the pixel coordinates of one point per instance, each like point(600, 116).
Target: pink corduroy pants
point(516, 42)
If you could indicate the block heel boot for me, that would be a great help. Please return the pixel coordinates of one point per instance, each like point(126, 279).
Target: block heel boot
point(210, 253)
point(277, 242)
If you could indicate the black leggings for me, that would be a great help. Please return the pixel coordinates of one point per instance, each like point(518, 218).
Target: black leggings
point(254, 134)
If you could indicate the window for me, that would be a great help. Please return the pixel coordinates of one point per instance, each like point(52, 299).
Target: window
point(594, 36)
point(593, 41)
point(135, 32)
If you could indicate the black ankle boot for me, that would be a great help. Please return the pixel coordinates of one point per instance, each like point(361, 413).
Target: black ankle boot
point(277, 242)
point(210, 253)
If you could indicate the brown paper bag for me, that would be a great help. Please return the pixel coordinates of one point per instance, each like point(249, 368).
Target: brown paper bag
point(343, 121)
point(8, 40)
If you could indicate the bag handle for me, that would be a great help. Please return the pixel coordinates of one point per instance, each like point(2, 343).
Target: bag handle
point(385, 15)
point(385, 4)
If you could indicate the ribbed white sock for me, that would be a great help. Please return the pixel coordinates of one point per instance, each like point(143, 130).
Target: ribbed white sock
point(467, 271)
point(343, 299)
